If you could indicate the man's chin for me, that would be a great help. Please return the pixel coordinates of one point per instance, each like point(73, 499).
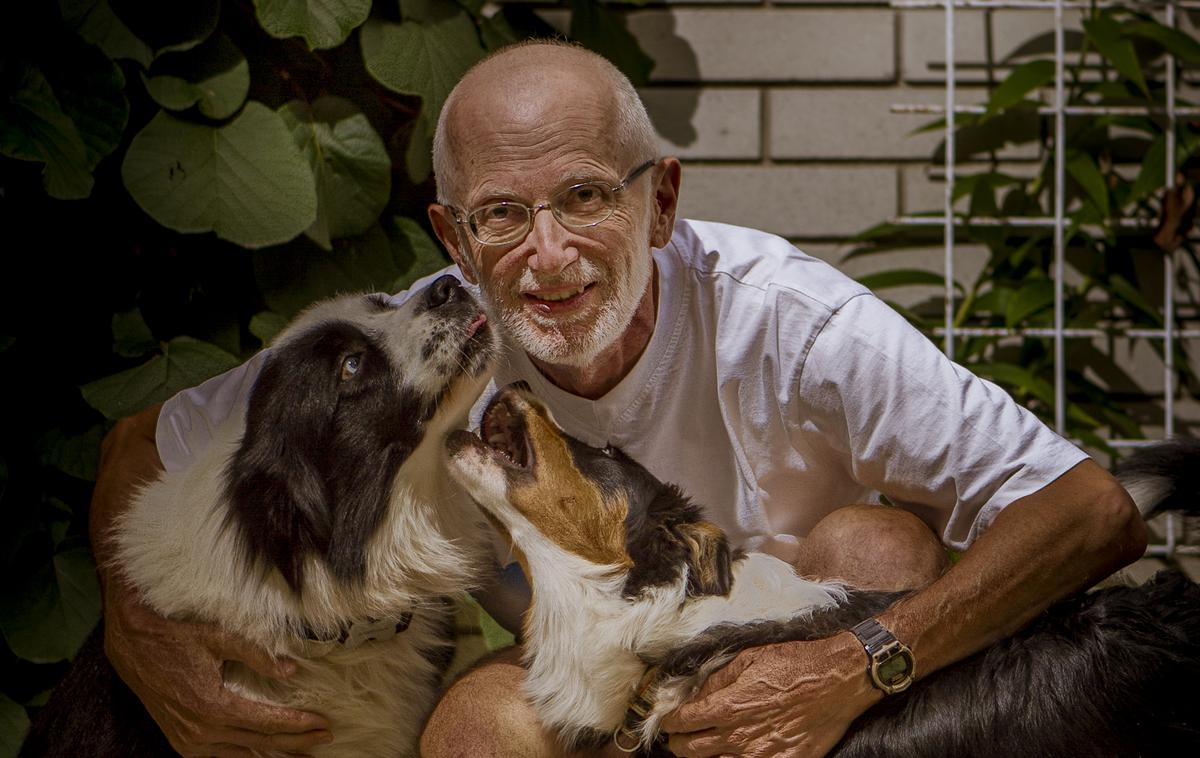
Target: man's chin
point(576, 344)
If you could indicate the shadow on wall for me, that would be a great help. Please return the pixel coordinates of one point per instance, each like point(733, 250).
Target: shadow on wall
point(676, 97)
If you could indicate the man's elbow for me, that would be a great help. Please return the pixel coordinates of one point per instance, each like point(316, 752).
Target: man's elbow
point(1116, 525)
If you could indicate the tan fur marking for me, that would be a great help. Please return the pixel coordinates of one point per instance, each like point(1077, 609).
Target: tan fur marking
point(563, 503)
point(703, 540)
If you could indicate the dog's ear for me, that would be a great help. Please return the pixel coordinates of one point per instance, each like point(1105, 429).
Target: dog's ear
point(708, 557)
point(277, 499)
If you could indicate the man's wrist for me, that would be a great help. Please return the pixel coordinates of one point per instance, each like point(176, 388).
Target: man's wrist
point(891, 666)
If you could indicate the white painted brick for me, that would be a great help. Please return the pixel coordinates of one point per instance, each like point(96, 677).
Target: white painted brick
point(792, 201)
point(924, 41)
point(714, 124)
point(815, 123)
point(762, 44)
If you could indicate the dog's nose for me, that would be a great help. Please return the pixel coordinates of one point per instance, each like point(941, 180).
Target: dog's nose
point(442, 291)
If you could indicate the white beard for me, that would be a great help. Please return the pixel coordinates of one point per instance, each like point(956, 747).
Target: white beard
point(579, 339)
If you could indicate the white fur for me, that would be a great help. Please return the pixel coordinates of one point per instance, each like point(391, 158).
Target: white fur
point(1147, 490)
point(176, 548)
point(578, 605)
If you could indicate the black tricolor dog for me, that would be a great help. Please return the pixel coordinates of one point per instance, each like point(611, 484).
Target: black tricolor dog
point(627, 578)
point(319, 524)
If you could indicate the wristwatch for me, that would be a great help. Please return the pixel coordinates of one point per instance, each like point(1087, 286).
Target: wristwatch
point(892, 666)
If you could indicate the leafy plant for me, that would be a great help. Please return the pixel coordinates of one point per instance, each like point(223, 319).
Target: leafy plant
point(176, 181)
point(1121, 221)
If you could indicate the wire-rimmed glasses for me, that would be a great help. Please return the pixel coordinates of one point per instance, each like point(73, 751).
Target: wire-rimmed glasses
point(577, 207)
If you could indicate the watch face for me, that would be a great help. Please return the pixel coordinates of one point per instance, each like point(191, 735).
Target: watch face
point(895, 668)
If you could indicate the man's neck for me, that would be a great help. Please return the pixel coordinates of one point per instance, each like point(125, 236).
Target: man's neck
point(606, 371)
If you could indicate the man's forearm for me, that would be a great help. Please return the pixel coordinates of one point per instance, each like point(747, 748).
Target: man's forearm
point(1040, 549)
point(129, 458)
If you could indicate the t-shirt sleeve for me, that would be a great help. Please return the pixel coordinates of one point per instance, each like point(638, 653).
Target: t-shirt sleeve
point(924, 431)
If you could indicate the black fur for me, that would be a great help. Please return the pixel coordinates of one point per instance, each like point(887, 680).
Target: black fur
point(1110, 673)
point(316, 464)
point(1174, 464)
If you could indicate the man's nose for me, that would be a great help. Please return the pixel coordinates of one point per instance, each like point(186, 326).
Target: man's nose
point(550, 242)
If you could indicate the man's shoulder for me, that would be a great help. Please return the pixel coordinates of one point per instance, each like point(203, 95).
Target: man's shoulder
point(727, 257)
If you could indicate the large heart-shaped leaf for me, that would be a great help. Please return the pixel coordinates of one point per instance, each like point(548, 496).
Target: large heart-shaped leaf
point(76, 455)
point(293, 277)
point(425, 59)
point(604, 30)
point(184, 363)
point(14, 725)
point(350, 163)
point(131, 336)
point(169, 27)
point(33, 127)
point(50, 616)
point(90, 89)
point(245, 180)
point(415, 252)
point(95, 21)
point(214, 76)
point(322, 23)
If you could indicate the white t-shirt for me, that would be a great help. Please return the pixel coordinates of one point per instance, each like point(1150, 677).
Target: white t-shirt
point(774, 390)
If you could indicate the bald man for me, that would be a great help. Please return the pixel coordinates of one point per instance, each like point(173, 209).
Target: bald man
point(770, 387)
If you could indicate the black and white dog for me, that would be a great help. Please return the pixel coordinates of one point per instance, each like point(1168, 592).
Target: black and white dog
point(628, 579)
point(320, 525)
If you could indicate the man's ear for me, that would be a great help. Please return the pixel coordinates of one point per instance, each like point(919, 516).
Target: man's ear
point(709, 562)
point(666, 201)
point(447, 231)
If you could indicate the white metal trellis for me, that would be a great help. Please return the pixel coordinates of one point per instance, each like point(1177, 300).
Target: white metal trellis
point(1059, 110)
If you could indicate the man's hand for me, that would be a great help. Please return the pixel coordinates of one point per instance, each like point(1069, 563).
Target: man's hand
point(788, 699)
point(175, 668)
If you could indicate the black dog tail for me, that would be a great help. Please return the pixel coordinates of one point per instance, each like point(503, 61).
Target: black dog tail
point(1164, 477)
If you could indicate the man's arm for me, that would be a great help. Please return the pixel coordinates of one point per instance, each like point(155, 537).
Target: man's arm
point(798, 698)
point(175, 667)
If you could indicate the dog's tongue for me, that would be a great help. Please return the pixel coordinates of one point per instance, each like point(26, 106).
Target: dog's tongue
point(477, 324)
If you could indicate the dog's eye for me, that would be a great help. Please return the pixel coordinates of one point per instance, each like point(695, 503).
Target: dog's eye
point(350, 366)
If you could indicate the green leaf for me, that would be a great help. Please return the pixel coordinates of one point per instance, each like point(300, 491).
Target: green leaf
point(131, 336)
point(184, 363)
point(1120, 286)
point(1105, 33)
point(50, 617)
point(14, 725)
point(95, 21)
point(1023, 80)
point(349, 161)
point(266, 325)
point(322, 23)
point(291, 278)
point(1152, 174)
point(425, 60)
point(76, 455)
point(903, 277)
point(1083, 169)
point(33, 127)
point(245, 180)
point(90, 89)
point(604, 31)
point(497, 31)
point(1180, 44)
point(416, 253)
point(428, 11)
point(169, 27)
point(1017, 377)
point(213, 75)
point(6, 341)
point(1034, 296)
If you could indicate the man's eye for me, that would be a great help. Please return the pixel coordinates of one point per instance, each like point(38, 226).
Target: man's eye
point(496, 213)
point(583, 195)
point(350, 366)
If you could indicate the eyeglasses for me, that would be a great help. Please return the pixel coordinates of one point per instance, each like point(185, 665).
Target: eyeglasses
point(577, 207)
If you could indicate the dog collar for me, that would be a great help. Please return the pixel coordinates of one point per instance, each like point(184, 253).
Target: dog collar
point(371, 630)
point(892, 666)
point(626, 737)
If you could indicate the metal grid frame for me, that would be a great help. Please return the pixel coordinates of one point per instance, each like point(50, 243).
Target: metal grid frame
point(1060, 110)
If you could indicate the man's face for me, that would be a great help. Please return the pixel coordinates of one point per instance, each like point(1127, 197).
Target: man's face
point(564, 294)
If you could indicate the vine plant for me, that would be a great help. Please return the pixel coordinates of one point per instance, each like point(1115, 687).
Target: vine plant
point(176, 181)
point(1122, 223)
